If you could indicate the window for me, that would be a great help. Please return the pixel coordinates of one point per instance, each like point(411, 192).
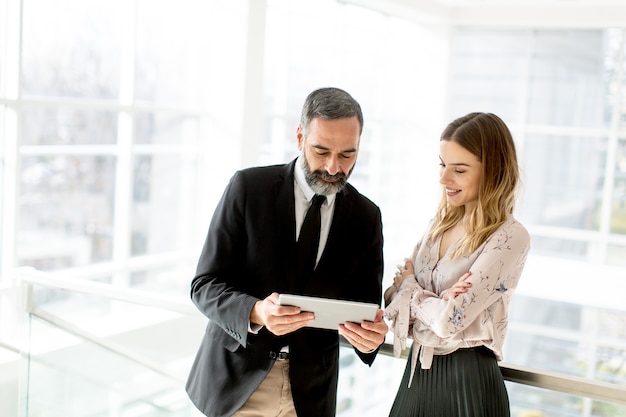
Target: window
point(121, 123)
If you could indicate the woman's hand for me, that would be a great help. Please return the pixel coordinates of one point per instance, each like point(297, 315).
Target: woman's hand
point(403, 272)
point(459, 287)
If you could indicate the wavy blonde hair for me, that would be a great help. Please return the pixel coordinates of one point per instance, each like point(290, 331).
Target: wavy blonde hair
point(487, 137)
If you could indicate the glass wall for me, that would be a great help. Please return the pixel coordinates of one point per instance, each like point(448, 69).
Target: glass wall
point(562, 94)
point(121, 123)
point(115, 121)
point(114, 126)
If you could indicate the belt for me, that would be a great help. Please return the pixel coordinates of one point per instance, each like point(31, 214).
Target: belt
point(279, 356)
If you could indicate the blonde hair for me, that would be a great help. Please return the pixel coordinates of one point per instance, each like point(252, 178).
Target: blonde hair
point(487, 137)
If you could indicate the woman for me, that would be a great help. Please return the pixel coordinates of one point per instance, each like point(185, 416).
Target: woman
point(451, 297)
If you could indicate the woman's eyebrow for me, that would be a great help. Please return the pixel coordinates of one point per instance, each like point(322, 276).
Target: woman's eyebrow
point(455, 163)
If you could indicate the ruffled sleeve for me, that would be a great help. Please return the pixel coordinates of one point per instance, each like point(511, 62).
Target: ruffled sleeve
point(398, 313)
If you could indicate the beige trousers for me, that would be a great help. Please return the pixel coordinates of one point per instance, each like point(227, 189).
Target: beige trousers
point(273, 397)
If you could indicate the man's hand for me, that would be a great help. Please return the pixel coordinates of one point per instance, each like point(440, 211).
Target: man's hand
point(368, 335)
point(279, 319)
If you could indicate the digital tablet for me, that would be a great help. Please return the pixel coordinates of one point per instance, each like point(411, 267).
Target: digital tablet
point(329, 313)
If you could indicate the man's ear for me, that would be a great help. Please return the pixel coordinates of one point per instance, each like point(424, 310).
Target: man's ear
point(300, 137)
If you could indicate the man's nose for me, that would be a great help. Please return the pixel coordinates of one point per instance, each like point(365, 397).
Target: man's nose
point(332, 165)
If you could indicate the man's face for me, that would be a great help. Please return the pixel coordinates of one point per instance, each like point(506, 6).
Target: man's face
point(329, 152)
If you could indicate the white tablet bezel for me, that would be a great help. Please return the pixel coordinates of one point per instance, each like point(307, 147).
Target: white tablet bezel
point(329, 313)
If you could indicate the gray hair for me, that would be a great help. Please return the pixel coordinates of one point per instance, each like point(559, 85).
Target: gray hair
point(329, 103)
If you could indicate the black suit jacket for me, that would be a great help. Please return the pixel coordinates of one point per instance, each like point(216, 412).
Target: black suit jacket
point(250, 252)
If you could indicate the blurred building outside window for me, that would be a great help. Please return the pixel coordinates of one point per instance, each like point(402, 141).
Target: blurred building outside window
point(128, 119)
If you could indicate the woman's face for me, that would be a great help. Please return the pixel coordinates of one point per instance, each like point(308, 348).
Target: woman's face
point(460, 174)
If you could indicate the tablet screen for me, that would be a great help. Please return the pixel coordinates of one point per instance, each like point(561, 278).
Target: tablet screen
point(329, 313)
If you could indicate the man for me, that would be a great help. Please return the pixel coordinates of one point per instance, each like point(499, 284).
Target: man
point(257, 357)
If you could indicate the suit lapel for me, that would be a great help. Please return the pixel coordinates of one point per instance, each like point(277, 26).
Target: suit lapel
point(286, 224)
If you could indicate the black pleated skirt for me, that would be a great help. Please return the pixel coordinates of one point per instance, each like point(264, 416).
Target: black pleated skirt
point(465, 383)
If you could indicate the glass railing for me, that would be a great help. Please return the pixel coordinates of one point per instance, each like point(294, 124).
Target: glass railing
point(96, 350)
point(81, 378)
point(93, 349)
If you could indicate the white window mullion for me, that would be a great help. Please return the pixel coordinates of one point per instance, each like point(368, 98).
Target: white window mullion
point(611, 154)
point(10, 43)
point(123, 191)
point(252, 131)
point(10, 57)
point(10, 186)
point(124, 166)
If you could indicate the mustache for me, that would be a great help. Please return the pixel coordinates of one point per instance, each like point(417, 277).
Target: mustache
point(326, 176)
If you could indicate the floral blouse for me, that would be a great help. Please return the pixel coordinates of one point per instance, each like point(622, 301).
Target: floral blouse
point(478, 317)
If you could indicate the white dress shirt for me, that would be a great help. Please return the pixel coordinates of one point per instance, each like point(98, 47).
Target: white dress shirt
point(303, 195)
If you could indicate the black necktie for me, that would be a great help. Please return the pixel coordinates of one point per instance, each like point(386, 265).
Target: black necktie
point(309, 238)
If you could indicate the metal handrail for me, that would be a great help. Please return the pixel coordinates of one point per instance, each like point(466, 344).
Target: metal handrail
point(29, 277)
point(552, 381)
point(10, 348)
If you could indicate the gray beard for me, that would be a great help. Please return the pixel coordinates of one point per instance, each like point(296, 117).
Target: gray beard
point(314, 179)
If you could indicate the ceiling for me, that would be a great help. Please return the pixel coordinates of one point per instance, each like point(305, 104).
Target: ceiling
point(506, 13)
